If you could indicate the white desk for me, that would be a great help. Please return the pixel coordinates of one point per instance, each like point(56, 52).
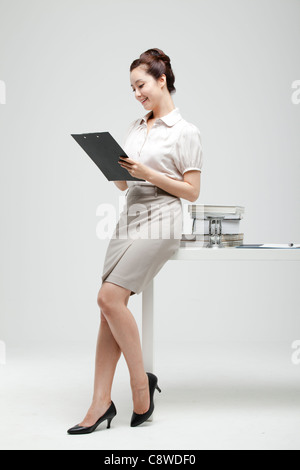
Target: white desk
point(199, 254)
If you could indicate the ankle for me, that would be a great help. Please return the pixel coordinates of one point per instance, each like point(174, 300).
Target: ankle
point(140, 383)
point(101, 400)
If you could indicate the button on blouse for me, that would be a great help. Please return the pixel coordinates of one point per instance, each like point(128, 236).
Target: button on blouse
point(172, 146)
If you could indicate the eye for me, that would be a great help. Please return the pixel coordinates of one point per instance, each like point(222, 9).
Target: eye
point(141, 86)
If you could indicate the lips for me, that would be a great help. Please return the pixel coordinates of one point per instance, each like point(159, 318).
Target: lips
point(144, 100)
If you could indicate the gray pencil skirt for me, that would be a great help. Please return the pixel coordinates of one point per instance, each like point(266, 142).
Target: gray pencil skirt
point(147, 234)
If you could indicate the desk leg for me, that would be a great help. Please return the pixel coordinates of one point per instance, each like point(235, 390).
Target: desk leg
point(147, 327)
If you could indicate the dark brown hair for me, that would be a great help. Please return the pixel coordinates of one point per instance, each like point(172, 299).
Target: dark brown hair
point(157, 63)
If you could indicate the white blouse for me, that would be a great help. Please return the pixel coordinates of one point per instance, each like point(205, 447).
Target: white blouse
point(172, 146)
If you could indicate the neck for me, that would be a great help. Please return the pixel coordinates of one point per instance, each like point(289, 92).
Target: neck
point(163, 108)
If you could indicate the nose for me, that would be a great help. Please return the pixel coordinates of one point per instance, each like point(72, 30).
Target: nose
point(137, 94)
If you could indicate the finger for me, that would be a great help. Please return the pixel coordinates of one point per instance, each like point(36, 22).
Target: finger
point(127, 160)
point(125, 167)
point(123, 164)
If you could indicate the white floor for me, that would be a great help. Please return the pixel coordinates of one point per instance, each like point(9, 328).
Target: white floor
point(214, 396)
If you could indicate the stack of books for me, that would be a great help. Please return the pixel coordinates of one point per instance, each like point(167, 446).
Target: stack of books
point(213, 226)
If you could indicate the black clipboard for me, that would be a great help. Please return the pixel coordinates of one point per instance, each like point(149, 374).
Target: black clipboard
point(105, 151)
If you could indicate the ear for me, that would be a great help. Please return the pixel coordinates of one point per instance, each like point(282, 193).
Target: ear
point(162, 80)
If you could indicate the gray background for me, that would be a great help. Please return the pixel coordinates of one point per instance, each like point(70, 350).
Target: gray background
point(66, 69)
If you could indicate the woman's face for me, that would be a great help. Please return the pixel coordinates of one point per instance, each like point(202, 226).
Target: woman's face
point(148, 91)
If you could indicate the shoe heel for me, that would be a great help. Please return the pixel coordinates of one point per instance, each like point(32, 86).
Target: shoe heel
point(157, 388)
point(108, 423)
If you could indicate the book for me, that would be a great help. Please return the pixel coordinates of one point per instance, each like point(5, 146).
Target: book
point(202, 211)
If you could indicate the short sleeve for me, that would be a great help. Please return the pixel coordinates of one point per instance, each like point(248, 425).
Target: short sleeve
point(188, 155)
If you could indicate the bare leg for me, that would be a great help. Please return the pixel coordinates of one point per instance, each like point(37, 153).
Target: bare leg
point(113, 300)
point(107, 355)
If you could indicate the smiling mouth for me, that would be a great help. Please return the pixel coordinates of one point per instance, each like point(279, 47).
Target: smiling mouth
point(144, 100)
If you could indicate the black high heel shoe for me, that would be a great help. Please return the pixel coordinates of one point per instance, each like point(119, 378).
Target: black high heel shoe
point(136, 418)
point(109, 415)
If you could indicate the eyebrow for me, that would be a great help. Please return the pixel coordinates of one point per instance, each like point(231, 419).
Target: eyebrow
point(139, 80)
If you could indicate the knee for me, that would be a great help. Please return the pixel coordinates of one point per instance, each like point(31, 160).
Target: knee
point(111, 298)
point(106, 302)
point(102, 301)
point(102, 318)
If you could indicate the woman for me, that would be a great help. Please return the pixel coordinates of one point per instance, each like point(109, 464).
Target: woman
point(165, 157)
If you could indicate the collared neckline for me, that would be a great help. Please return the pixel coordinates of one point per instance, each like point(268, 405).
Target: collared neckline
point(170, 119)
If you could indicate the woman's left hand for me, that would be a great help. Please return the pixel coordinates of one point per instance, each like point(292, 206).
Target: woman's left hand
point(136, 169)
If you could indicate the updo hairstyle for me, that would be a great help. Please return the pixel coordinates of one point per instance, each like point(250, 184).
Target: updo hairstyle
point(157, 63)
